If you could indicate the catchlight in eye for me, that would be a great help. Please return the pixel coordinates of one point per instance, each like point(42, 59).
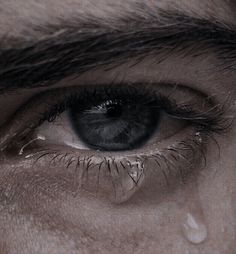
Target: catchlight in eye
point(115, 125)
point(116, 133)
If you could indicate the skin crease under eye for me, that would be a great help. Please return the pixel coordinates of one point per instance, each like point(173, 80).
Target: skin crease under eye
point(48, 218)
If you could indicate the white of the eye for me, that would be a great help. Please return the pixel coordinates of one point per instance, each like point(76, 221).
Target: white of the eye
point(60, 132)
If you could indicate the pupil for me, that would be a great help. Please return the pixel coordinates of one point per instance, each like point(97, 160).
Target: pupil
point(114, 111)
point(115, 125)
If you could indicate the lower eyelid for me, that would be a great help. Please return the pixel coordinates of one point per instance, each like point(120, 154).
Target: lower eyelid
point(168, 161)
point(168, 166)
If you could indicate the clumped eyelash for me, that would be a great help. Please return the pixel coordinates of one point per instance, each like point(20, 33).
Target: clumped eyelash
point(206, 124)
point(170, 162)
point(183, 154)
point(212, 120)
point(208, 121)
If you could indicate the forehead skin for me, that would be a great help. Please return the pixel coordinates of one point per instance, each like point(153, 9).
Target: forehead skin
point(27, 18)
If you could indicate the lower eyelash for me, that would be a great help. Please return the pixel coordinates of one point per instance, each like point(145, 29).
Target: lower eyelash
point(176, 161)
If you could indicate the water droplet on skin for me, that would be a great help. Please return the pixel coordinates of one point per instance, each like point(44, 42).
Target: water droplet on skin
point(130, 181)
point(198, 137)
point(194, 229)
point(39, 137)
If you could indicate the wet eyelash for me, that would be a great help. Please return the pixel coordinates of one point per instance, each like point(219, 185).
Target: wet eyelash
point(206, 123)
point(52, 104)
point(176, 161)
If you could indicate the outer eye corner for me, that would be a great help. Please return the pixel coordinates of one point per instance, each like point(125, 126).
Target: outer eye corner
point(119, 123)
point(118, 120)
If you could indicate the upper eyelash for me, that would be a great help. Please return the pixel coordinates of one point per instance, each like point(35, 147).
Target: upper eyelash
point(212, 120)
point(208, 121)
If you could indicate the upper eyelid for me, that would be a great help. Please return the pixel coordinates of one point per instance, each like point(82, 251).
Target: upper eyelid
point(185, 149)
point(37, 107)
point(27, 114)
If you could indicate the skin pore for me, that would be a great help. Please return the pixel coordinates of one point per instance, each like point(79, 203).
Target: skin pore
point(42, 208)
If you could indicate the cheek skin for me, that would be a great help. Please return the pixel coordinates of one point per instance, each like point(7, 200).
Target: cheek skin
point(52, 214)
point(218, 195)
point(44, 211)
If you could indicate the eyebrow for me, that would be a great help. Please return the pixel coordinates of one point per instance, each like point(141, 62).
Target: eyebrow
point(80, 49)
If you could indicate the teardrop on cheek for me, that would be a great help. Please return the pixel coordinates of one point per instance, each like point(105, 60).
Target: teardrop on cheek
point(129, 181)
point(194, 229)
point(193, 225)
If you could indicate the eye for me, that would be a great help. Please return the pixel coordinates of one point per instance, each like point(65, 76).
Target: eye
point(116, 134)
point(117, 119)
point(115, 124)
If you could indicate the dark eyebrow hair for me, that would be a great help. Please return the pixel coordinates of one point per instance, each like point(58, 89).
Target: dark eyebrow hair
point(78, 50)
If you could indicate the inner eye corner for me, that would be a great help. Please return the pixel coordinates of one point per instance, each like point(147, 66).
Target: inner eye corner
point(116, 120)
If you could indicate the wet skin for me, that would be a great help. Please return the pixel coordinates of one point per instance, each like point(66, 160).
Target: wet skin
point(42, 207)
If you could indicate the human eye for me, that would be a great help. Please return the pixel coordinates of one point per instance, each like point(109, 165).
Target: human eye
point(117, 136)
